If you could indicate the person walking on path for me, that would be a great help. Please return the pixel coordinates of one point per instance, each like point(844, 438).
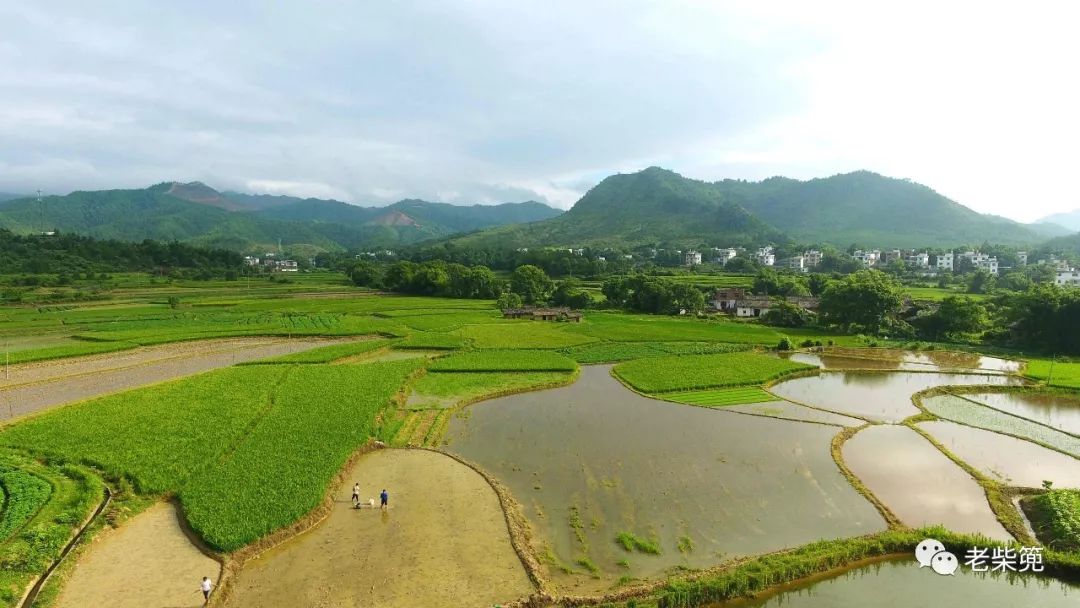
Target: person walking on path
point(356, 495)
point(206, 587)
point(383, 499)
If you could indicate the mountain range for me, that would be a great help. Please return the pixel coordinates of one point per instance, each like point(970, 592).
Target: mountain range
point(1068, 219)
point(196, 213)
point(656, 206)
point(652, 207)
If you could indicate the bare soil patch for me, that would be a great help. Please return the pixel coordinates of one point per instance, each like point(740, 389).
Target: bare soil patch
point(443, 542)
point(147, 561)
point(37, 386)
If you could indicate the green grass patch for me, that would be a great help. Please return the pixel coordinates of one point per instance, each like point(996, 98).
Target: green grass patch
point(693, 372)
point(611, 352)
point(504, 360)
point(430, 340)
point(1065, 374)
point(534, 334)
point(632, 542)
point(451, 388)
point(24, 493)
point(326, 354)
point(76, 349)
point(685, 544)
point(1055, 516)
point(619, 327)
point(720, 397)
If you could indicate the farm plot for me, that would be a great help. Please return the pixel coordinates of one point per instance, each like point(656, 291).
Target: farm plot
point(1055, 515)
point(1059, 410)
point(516, 334)
point(430, 340)
point(1056, 373)
point(650, 328)
point(957, 409)
point(720, 397)
point(792, 411)
point(611, 352)
point(326, 354)
point(690, 372)
point(440, 549)
point(582, 460)
point(504, 360)
point(448, 389)
point(24, 494)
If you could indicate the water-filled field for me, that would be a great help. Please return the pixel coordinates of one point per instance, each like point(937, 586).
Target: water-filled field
point(895, 360)
point(919, 483)
point(884, 397)
point(1009, 460)
point(902, 584)
point(593, 460)
point(965, 411)
point(1057, 410)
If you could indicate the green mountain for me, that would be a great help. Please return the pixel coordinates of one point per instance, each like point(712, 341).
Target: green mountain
point(657, 206)
point(871, 210)
point(651, 207)
point(8, 196)
point(1068, 219)
point(198, 214)
point(1063, 245)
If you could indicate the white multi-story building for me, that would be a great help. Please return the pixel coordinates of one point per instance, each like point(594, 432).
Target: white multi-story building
point(917, 260)
point(867, 258)
point(1068, 277)
point(723, 255)
point(944, 261)
point(1021, 258)
point(692, 258)
point(813, 258)
point(765, 256)
point(251, 260)
point(891, 256)
point(796, 263)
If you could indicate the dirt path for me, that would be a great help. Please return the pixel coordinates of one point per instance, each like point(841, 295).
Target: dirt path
point(442, 543)
point(148, 562)
point(36, 386)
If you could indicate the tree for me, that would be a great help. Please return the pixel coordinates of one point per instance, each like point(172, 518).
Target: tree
point(817, 283)
point(616, 291)
point(570, 293)
point(955, 316)
point(740, 264)
point(786, 314)
point(508, 300)
point(981, 281)
point(531, 283)
point(366, 274)
point(865, 300)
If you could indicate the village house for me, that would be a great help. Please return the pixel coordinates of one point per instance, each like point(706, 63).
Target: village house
point(1021, 258)
point(724, 254)
point(812, 257)
point(765, 256)
point(891, 256)
point(1068, 277)
point(796, 263)
point(917, 260)
point(753, 306)
point(543, 314)
point(944, 261)
point(867, 258)
point(251, 260)
point(692, 258)
point(724, 300)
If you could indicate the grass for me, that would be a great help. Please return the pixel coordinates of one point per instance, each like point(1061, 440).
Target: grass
point(619, 327)
point(632, 542)
point(534, 334)
point(504, 360)
point(24, 494)
point(721, 397)
point(429, 340)
point(1065, 374)
point(693, 372)
point(685, 545)
point(469, 386)
point(964, 411)
point(1055, 516)
point(610, 352)
point(249, 449)
point(76, 349)
point(326, 354)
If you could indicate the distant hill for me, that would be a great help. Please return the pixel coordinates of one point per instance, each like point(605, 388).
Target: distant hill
point(871, 210)
point(657, 206)
point(1068, 219)
point(654, 206)
point(1062, 245)
point(7, 196)
point(198, 214)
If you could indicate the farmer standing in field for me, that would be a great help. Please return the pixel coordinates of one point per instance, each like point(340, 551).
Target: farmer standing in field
point(356, 495)
point(383, 499)
point(205, 587)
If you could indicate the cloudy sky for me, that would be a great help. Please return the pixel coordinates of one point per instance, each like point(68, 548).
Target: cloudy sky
point(489, 101)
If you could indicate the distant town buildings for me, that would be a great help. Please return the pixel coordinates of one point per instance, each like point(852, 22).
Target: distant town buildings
point(722, 255)
point(868, 259)
point(945, 261)
point(765, 256)
point(1021, 258)
point(812, 258)
point(692, 258)
point(796, 263)
point(1069, 277)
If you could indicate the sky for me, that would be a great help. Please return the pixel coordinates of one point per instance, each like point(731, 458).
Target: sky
point(472, 101)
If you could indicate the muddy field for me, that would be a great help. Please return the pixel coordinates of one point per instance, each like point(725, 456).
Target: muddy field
point(33, 387)
point(442, 543)
point(147, 561)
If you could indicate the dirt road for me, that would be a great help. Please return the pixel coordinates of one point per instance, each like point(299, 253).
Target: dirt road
point(34, 387)
point(443, 543)
point(147, 561)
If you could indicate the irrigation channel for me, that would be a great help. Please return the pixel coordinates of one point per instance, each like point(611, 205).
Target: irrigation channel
point(618, 489)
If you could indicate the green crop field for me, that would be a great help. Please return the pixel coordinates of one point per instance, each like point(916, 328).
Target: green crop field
point(430, 340)
point(24, 494)
point(450, 388)
point(1057, 518)
point(649, 328)
point(504, 361)
point(1058, 373)
point(690, 372)
point(527, 334)
point(326, 354)
point(964, 411)
point(609, 352)
point(720, 397)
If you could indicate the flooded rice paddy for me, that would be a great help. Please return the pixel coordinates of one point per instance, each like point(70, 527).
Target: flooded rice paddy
point(792, 411)
point(965, 411)
point(900, 583)
point(882, 397)
point(918, 483)
point(593, 459)
point(1059, 411)
point(898, 360)
point(1007, 459)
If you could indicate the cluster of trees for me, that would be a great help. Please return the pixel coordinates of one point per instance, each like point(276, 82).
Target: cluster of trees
point(71, 255)
point(652, 294)
point(435, 278)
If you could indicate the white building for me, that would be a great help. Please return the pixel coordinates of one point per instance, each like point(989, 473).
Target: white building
point(797, 263)
point(813, 258)
point(692, 258)
point(1021, 258)
point(724, 255)
point(891, 256)
point(765, 256)
point(1068, 277)
point(753, 306)
point(945, 261)
point(254, 261)
point(917, 260)
point(981, 260)
point(867, 258)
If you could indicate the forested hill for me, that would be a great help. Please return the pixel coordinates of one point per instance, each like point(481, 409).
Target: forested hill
point(196, 213)
point(69, 253)
point(656, 206)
